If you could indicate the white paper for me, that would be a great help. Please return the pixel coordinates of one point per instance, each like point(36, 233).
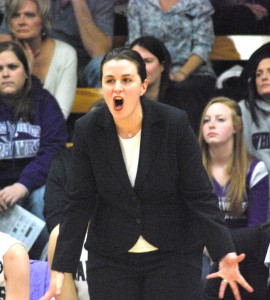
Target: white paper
point(21, 224)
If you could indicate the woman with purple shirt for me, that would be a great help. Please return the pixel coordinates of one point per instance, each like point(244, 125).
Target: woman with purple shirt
point(32, 131)
point(240, 182)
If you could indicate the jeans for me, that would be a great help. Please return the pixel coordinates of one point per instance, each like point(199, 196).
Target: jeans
point(92, 72)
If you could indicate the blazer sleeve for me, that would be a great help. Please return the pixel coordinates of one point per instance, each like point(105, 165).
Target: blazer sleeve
point(54, 197)
point(81, 195)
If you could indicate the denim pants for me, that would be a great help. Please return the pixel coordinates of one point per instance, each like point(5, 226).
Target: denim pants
point(92, 72)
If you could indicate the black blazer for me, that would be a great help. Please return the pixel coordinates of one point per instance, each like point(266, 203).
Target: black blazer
point(172, 204)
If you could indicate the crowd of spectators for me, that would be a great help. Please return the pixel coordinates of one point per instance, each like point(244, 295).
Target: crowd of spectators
point(48, 48)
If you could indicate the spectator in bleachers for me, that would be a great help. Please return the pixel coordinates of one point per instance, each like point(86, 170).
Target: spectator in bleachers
point(14, 269)
point(241, 17)
point(256, 108)
point(240, 182)
point(32, 131)
point(160, 87)
point(52, 61)
point(186, 29)
point(87, 25)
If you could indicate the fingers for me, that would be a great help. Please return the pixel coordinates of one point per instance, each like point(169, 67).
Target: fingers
point(48, 296)
point(3, 206)
point(59, 283)
point(56, 284)
point(245, 284)
point(235, 291)
point(213, 275)
point(240, 257)
point(223, 286)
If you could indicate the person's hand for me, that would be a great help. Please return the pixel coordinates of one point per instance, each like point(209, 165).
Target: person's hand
point(258, 10)
point(229, 271)
point(11, 194)
point(56, 284)
point(178, 76)
point(31, 56)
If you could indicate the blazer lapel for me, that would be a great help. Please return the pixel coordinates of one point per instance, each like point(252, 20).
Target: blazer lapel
point(110, 146)
point(152, 132)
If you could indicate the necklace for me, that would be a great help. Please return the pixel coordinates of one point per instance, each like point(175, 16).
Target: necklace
point(130, 135)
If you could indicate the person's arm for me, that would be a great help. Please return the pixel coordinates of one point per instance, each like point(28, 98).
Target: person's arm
point(69, 289)
point(4, 32)
point(202, 32)
point(95, 41)
point(134, 23)
point(258, 195)
point(81, 191)
point(5, 37)
point(258, 10)
point(54, 196)
point(11, 194)
point(53, 139)
point(192, 64)
point(226, 3)
point(17, 273)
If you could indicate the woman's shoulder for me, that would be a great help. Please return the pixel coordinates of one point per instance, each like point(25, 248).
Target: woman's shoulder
point(96, 116)
point(257, 172)
point(244, 109)
point(63, 48)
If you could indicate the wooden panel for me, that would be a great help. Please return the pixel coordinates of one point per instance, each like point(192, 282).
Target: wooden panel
point(85, 98)
point(237, 47)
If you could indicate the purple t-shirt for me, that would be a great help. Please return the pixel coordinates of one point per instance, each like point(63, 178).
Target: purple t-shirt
point(255, 204)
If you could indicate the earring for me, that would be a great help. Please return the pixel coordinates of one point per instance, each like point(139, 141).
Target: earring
point(43, 34)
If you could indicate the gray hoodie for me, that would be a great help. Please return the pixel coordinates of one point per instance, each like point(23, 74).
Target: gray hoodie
point(257, 138)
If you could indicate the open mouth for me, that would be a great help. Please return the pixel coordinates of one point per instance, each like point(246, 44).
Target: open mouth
point(118, 103)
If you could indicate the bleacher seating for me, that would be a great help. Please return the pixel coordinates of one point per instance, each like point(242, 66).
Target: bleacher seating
point(236, 47)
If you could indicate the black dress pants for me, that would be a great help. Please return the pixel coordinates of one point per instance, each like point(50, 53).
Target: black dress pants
point(154, 275)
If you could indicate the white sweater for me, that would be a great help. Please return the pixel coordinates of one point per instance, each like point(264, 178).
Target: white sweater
point(61, 79)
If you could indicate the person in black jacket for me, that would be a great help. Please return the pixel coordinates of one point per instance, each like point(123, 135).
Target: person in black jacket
point(137, 177)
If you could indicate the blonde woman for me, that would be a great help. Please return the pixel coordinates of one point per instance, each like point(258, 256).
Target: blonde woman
point(240, 182)
point(52, 61)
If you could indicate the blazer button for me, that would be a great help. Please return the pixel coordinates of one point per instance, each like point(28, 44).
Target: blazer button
point(138, 221)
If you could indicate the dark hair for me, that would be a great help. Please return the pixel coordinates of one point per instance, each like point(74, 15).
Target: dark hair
point(157, 48)
point(251, 103)
point(127, 54)
point(24, 107)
